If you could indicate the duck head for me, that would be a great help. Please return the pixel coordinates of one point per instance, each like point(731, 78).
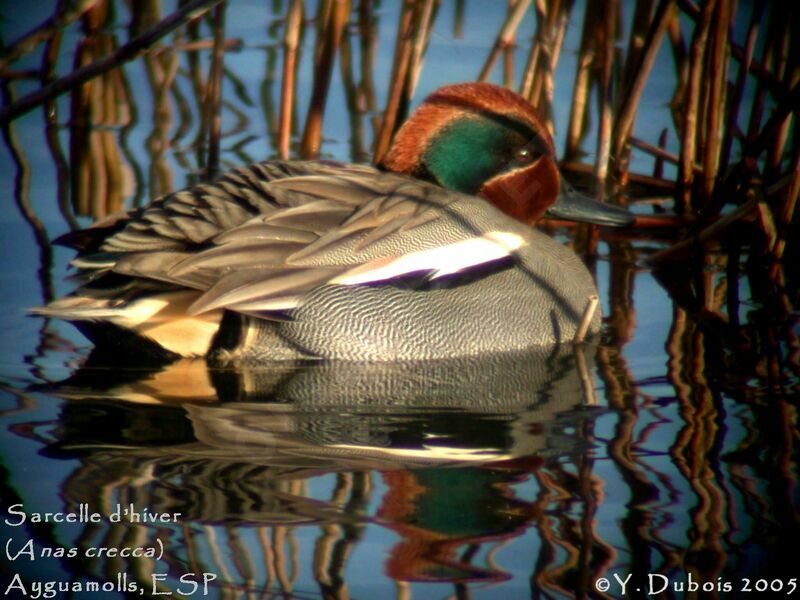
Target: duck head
point(485, 140)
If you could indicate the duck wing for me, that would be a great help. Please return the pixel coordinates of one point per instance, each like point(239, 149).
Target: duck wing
point(183, 219)
point(258, 245)
point(321, 227)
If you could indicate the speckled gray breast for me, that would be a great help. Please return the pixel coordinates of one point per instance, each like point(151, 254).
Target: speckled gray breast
point(538, 301)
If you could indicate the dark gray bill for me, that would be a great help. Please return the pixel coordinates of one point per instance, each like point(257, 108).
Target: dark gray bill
point(574, 206)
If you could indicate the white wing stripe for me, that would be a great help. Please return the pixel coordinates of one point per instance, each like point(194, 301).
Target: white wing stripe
point(441, 261)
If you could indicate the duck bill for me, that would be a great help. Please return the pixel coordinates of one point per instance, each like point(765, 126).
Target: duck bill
point(571, 205)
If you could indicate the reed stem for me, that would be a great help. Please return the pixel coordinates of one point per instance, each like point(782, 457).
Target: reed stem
point(738, 87)
point(402, 56)
point(421, 39)
point(639, 72)
point(692, 107)
point(657, 151)
point(605, 44)
point(505, 36)
point(335, 23)
point(580, 92)
point(586, 320)
point(291, 39)
point(707, 234)
point(718, 71)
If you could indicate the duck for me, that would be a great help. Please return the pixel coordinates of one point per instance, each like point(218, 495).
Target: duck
point(430, 254)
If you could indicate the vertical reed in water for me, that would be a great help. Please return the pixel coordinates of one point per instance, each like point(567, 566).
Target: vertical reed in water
point(291, 40)
point(333, 15)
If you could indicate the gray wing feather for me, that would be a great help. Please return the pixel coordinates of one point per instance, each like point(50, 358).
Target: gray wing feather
point(258, 229)
point(238, 255)
point(255, 289)
point(261, 238)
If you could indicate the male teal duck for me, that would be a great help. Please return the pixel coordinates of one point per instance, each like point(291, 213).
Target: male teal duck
point(429, 255)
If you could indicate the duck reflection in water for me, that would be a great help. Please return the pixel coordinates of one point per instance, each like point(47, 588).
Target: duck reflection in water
point(442, 442)
point(445, 515)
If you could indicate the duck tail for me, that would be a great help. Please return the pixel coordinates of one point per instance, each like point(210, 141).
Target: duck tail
point(157, 320)
point(77, 308)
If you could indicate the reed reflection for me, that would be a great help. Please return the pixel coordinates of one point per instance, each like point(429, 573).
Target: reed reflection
point(99, 181)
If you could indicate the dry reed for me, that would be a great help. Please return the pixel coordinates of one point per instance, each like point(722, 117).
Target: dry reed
point(402, 55)
point(291, 39)
point(505, 37)
point(333, 16)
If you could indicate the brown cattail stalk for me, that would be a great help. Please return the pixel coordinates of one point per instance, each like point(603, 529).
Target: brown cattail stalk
point(562, 21)
point(321, 20)
point(508, 58)
point(657, 151)
point(312, 135)
point(351, 93)
point(690, 110)
point(789, 75)
point(427, 15)
point(767, 63)
point(764, 75)
point(234, 44)
point(291, 39)
point(543, 46)
point(638, 76)
point(658, 167)
point(585, 172)
point(718, 72)
point(775, 122)
point(458, 19)
point(580, 91)
point(640, 27)
point(545, 16)
point(738, 88)
point(526, 86)
point(555, 29)
point(402, 56)
point(790, 204)
point(706, 235)
point(588, 314)
point(268, 108)
point(680, 56)
point(605, 43)
point(505, 36)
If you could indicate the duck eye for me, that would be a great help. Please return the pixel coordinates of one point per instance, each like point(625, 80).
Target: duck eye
point(525, 156)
